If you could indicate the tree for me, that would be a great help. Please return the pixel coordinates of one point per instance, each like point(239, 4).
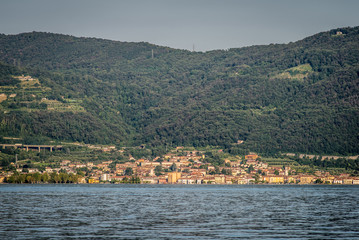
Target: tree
point(30, 178)
point(173, 167)
point(129, 171)
point(45, 177)
point(112, 165)
point(256, 177)
point(55, 177)
point(250, 168)
point(21, 178)
point(318, 181)
point(160, 160)
point(158, 170)
point(64, 177)
point(80, 173)
point(37, 177)
point(74, 178)
point(226, 171)
point(135, 180)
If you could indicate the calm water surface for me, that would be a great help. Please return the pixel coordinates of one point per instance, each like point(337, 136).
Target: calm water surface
point(178, 212)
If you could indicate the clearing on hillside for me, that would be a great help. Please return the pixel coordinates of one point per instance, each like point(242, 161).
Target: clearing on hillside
point(296, 73)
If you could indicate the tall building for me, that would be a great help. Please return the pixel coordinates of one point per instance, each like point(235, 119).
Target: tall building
point(173, 177)
point(105, 177)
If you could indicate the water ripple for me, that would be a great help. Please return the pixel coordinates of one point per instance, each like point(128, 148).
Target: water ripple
point(178, 212)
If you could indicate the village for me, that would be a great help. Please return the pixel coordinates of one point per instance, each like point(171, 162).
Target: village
point(188, 167)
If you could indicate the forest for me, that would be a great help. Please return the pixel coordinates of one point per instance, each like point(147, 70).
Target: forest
point(300, 97)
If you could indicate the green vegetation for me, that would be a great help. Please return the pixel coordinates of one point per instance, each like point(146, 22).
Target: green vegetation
point(131, 180)
point(40, 160)
point(296, 97)
point(337, 166)
point(215, 159)
point(43, 178)
point(299, 72)
point(128, 171)
point(277, 162)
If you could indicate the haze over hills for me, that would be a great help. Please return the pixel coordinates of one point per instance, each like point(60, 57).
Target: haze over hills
point(296, 97)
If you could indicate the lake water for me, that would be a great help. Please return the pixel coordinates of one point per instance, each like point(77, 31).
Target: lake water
point(179, 212)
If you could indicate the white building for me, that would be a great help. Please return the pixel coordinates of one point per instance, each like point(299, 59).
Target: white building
point(105, 177)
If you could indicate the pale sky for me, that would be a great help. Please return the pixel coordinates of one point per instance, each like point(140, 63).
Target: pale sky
point(207, 24)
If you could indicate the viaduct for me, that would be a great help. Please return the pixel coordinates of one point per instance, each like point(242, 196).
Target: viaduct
point(32, 147)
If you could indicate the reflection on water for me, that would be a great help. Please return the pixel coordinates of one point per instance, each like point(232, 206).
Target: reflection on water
point(178, 212)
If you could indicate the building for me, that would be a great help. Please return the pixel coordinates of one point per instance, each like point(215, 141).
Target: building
point(105, 177)
point(338, 181)
point(348, 181)
point(220, 179)
point(273, 179)
point(306, 179)
point(93, 180)
point(150, 180)
point(173, 177)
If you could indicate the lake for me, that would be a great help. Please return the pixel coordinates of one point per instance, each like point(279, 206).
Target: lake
point(179, 212)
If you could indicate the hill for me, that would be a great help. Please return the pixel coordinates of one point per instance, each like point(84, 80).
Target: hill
point(296, 97)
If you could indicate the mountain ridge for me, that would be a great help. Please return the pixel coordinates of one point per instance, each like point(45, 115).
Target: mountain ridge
point(296, 97)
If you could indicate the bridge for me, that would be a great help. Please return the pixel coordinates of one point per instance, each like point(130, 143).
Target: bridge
point(32, 147)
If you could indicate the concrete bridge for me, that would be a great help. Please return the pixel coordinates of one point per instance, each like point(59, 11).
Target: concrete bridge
point(32, 147)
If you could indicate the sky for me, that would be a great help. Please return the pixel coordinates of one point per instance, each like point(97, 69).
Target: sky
point(185, 24)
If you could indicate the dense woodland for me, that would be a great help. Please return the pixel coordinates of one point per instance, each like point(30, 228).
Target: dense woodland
point(296, 97)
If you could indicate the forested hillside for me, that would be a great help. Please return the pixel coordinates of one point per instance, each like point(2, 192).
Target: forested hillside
point(296, 97)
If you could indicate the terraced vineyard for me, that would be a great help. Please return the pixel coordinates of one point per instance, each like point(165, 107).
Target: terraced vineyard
point(75, 156)
point(278, 162)
point(29, 95)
